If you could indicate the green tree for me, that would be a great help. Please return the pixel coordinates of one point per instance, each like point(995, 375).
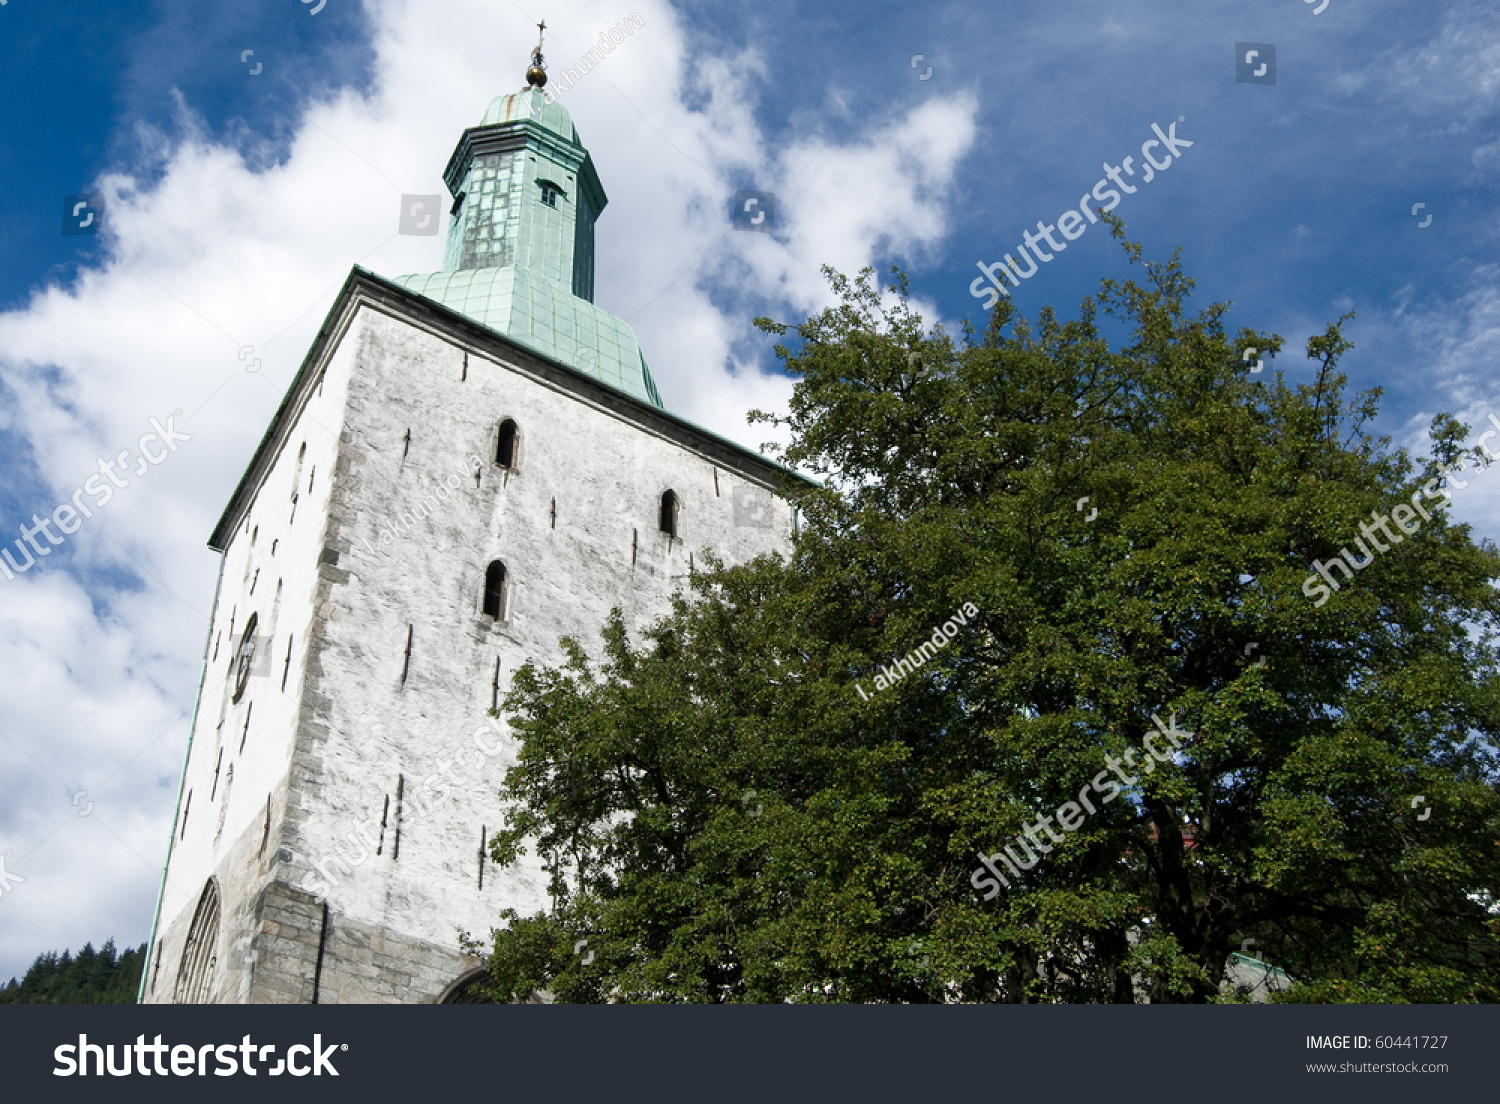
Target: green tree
point(731, 811)
point(90, 977)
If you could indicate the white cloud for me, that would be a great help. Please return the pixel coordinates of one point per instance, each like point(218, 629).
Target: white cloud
point(1461, 344)
point(213, 255)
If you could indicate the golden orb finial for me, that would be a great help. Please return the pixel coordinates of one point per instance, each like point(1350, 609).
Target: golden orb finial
point(536, 76)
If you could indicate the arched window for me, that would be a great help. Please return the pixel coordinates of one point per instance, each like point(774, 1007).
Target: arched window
point(195, 975)
point(246, 658)
point(550, 192)
point(495, 585)
point(471, 987)
point(668, 523)
point(505, 445)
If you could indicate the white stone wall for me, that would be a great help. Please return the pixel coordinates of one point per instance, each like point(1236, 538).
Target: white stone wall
point(377, 552)
point(271, 550)
point(606, 477)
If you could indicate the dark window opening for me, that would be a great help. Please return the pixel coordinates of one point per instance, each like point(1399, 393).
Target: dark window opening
point(505, 445)
point(668, 523)
point(495, 584)
point(550, 192)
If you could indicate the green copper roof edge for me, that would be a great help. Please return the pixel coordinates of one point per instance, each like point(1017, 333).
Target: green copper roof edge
point(646, 375)
point(390, 284)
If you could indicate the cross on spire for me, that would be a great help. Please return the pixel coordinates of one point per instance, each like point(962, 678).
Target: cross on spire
point(536, 76)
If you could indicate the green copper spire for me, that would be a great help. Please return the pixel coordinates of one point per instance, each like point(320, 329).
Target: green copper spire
point(520, 254)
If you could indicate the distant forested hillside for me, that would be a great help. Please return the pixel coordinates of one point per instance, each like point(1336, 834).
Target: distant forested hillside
point(90, 977)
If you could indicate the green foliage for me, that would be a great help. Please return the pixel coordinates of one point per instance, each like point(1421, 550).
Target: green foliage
point(90, 977)
point(726, 818)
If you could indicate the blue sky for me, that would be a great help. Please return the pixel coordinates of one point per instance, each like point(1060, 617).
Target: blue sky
point(237, 202)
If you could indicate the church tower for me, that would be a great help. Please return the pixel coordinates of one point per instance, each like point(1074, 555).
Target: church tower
point(469, 465)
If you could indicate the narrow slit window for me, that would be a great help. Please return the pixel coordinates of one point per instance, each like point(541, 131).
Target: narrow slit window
point(400, 793)
point(496, 584)
point(265, 832)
